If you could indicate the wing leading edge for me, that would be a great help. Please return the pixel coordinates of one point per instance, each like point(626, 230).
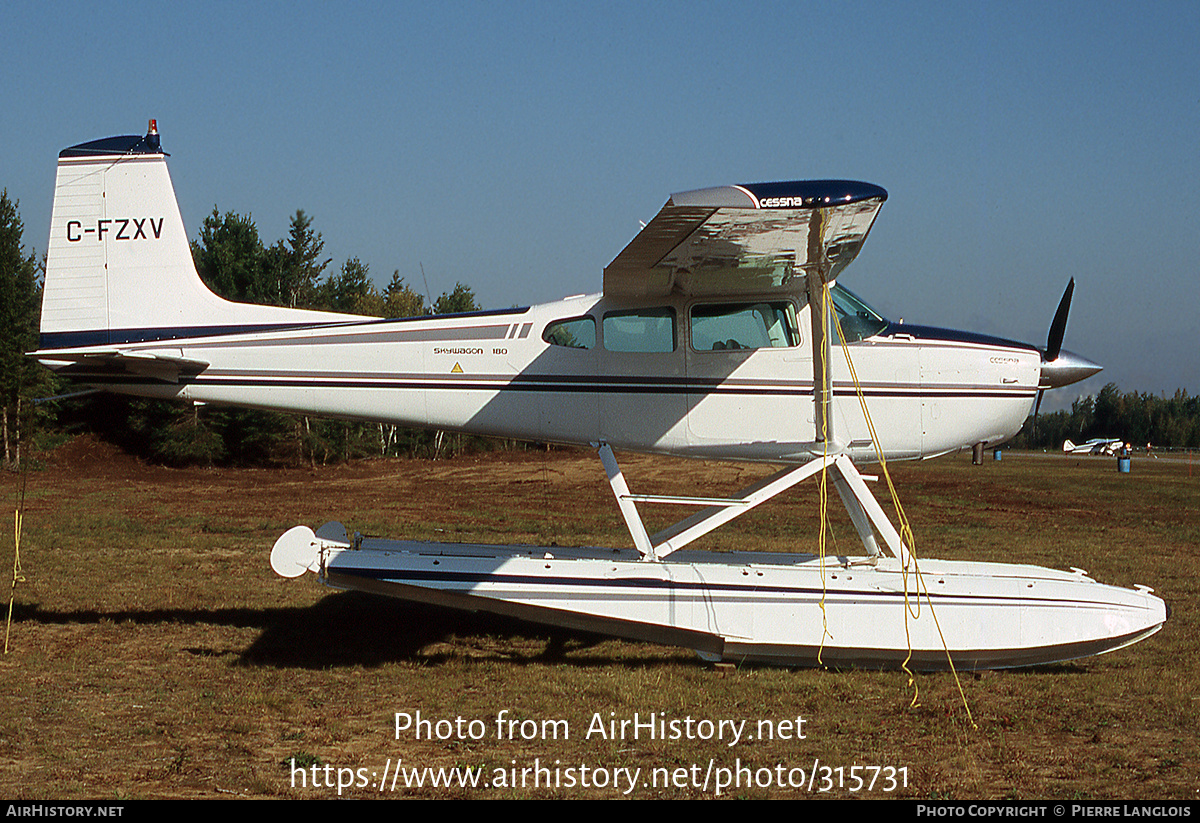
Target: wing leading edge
point(746, 239)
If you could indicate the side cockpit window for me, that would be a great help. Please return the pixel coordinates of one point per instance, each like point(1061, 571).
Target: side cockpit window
point(640, 330)
point(576, 333)
point(733, 326)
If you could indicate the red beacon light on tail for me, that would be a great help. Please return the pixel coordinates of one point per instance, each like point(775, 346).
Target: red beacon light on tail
point(152, 139)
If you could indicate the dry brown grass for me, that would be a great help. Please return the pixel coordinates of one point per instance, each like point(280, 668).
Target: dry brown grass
point(154, 653)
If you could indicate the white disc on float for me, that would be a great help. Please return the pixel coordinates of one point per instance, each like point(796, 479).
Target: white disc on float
point(295, 552)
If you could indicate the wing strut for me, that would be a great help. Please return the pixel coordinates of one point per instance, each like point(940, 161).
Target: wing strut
point(865, 512)
point(816, 279)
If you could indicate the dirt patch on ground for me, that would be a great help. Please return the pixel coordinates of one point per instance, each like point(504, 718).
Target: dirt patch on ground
point(88, 453)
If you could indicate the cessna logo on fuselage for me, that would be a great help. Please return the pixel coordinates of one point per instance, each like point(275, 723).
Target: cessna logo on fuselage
point(117, 228)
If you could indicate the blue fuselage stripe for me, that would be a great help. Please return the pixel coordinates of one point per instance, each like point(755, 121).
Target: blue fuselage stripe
point(654, 586)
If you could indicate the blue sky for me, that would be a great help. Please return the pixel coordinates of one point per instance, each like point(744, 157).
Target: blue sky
point(515, 146)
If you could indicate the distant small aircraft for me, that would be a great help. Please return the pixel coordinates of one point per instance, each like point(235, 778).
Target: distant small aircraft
point(1097, 445)
point(715, 337)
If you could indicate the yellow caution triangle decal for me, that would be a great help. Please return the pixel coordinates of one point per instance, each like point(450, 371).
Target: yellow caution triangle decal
point(457, 369)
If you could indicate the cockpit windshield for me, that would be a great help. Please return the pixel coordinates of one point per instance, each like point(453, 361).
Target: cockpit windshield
point(857, 319)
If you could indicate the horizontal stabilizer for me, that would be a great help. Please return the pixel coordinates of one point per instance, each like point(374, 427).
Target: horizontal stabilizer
point(82, 364)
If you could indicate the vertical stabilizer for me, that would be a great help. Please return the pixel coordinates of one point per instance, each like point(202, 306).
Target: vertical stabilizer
point(119, 267)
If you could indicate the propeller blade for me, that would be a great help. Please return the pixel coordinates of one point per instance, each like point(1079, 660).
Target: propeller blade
point(1059, 327)
point(1061, 368)
point(1037, 405)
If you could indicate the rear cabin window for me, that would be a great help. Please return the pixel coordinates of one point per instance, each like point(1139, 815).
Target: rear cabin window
point(640, 330)
point(576, 333)
point(733, 326)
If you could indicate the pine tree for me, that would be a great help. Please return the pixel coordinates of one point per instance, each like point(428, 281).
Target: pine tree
point(21, 379)
point(231, 260)
point(459, 301)
point(352, 292)
point(401, 300)
point(299, 264)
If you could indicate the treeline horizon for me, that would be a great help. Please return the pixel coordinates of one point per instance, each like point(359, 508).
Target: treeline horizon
point(235, 263)
point(1139, 418)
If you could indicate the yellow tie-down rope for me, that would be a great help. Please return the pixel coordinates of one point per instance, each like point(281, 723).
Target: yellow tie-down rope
point(905, 529)
point(18, 516)
point(17, 577)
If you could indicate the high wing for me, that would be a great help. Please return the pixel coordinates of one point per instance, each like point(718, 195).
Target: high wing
point(746, 239)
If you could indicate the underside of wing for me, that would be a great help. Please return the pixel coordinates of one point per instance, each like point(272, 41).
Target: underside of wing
point(746, 239)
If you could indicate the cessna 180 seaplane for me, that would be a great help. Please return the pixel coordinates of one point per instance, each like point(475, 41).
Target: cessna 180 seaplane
point(704, 343)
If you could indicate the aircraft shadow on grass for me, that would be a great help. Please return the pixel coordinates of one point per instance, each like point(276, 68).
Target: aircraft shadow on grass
point(328, 634)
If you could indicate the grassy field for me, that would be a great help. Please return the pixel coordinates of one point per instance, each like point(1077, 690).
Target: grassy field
point(153, 653)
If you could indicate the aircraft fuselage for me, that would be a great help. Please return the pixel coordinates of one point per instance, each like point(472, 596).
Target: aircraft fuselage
point(641, 376)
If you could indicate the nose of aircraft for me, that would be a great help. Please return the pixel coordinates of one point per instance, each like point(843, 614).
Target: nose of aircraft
point(1065, 369)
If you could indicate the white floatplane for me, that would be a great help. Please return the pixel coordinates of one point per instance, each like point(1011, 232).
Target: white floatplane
point(1097, 445)
point(703, 344)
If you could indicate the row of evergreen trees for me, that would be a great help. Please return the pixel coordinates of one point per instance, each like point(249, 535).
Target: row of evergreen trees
point(234, 262)
point(1138, 419)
